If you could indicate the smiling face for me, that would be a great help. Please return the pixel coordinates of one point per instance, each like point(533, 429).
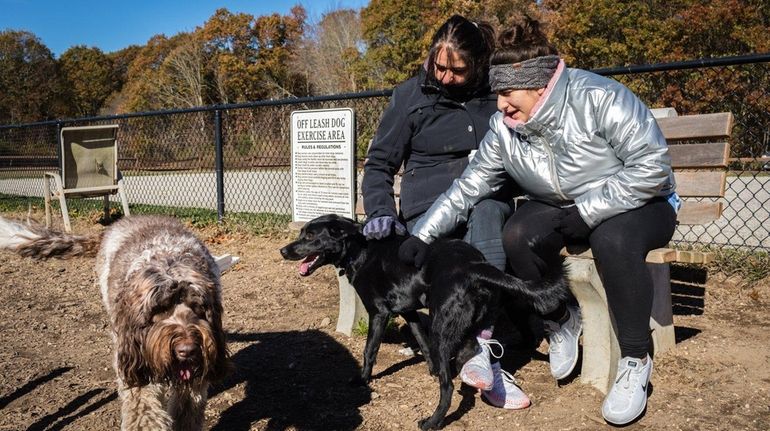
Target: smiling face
point(517, 104)
point(450, 68)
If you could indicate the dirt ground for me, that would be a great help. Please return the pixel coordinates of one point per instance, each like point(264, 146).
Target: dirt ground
point(291, 368)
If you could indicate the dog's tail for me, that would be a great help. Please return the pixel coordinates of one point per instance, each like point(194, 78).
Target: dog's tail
point(37, 242)
point(545, 294)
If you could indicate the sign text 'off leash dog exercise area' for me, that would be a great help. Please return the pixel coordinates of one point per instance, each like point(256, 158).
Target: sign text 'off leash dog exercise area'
point(322, 163)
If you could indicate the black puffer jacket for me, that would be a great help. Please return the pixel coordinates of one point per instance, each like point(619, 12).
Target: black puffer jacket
point(432, 135)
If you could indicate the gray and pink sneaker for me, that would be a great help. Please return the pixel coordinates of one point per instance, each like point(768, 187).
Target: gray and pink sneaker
point(505, 392)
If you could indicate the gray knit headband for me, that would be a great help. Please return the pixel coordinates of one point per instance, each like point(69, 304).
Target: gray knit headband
point(528, 74)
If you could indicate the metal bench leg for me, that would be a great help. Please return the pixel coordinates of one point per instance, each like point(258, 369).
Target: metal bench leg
point(351, 308)
point(106, 207)
point(123, 200)
point(62, 200)
point(661, 319)
point(600, 345)
point(47, 198)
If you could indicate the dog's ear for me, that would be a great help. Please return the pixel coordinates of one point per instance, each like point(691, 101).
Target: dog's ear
point(129, 324)
point(346, 227)
point(217, 357)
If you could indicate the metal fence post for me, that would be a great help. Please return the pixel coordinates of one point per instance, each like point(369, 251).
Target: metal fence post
point(219, 162)
point(59, 155)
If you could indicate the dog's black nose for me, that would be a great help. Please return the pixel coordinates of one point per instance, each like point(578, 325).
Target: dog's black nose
point(185, 350)
point(284, 252)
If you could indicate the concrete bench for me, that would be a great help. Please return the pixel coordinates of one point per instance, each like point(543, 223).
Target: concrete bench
point(700, 171)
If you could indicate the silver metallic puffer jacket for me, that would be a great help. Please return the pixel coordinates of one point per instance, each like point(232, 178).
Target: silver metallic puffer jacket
point(592, 142)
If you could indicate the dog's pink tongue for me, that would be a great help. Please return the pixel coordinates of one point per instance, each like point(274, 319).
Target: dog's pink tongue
point(184, 374)
point(304, 267)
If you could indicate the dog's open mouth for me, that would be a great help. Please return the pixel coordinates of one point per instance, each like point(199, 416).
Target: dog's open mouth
point(185, 371)
point(308, 265)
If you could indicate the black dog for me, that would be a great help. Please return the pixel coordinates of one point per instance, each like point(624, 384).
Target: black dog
point(461, 288)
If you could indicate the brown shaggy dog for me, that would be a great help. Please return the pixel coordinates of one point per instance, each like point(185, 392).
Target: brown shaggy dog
point(161, 289)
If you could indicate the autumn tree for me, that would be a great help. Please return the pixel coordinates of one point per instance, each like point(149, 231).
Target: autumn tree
point(139, 93)
point(30, 88)
point(250, 57)
point(277, 38)
point(329, 53)
point(227, 39)
point(180, 80)
point(121, 60)
point(395, 33)
point(88, 77)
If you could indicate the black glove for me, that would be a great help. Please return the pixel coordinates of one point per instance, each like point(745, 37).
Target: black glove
point(413, 251)
point(571, 224)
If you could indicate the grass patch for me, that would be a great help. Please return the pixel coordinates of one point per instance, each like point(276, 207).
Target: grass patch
point(751, 266)
point(253, 223)
point(362, 327)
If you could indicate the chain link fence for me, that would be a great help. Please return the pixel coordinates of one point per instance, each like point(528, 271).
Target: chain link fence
point(170, 160)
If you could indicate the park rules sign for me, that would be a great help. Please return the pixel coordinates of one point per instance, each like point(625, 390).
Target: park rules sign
point(322, 163)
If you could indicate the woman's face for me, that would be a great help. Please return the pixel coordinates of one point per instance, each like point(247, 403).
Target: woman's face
point(450, 69)
point(518, 104)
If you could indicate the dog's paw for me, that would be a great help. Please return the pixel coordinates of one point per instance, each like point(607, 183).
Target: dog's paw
point(433, 370)
point(427, 424)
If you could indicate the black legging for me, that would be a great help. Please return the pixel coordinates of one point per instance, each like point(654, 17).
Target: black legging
point(619, 244)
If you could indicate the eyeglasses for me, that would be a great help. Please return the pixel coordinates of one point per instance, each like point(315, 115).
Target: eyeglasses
point(440, 68)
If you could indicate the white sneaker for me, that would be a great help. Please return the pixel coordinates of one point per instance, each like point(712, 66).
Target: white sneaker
point(628, 396)
point(477, 372)
point(505, 392)
point(563, 343)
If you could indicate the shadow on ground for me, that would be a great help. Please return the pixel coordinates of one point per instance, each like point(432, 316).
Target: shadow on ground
point(296, 379)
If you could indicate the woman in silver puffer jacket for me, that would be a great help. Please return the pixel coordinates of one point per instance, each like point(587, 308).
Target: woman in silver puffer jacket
point(596, 169)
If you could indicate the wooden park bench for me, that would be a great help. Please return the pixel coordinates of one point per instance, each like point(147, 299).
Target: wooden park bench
point(699, 151)
point(701, 172)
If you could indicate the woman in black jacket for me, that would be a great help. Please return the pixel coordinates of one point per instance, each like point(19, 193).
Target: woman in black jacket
point(432, 126)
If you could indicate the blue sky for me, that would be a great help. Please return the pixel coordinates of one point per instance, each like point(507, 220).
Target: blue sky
point(112, 25)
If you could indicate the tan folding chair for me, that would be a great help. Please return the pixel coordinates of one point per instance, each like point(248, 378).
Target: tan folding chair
point(89, 169)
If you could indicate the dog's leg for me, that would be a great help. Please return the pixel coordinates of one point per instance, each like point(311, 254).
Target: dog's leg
point(186, 406)
point(446, 388)
point(377, 325)
point(143, 409)
point(415, 325)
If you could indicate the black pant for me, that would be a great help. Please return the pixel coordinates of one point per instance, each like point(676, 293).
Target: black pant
point(619, 244)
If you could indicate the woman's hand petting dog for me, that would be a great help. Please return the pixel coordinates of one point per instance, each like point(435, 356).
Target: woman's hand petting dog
point(413, 251)
point(381, 227)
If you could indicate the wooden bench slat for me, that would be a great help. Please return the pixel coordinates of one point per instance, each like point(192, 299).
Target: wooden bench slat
point(712, 155)
point(691, 127)
point(659, 255)
point(693, 213)
point(700, 257)
point(709, 184)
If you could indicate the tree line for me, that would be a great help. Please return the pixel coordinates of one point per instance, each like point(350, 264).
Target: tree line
point(236, 57)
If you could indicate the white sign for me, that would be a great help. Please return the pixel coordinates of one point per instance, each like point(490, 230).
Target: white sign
point(322, 163)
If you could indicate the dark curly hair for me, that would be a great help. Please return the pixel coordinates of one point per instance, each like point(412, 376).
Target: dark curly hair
point(472, 41)
point(523, 40)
